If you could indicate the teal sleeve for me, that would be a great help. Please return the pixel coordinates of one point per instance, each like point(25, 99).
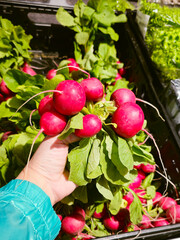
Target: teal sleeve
point(26, 213)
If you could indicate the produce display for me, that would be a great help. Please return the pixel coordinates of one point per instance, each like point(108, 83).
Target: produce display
point(88, 94)
point(163, 38)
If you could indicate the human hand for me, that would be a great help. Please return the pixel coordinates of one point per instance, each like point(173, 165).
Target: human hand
point(47, 168)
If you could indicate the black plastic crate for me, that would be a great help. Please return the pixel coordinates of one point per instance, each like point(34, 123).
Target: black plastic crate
point(51, 41)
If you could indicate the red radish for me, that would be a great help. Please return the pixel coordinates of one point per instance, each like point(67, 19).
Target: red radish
point(46, 104)
point(5, 90)
point(122, 71)
point(148, 168)
point(123, 217)
point(111, 223)
point(6, 135)
point(118, 76)
point(129, 198)
point(129, 118)
point(2, 98)
point(157, 198)
point(73, 224)
point(79, 210)
point(60, 217)
point(136, 182)
point(173, 214)
point(160, 221)
point(140, 193)
point(27, 69)
point(52, 123)
point(145, 223)
point(71, 100)
point(124, 95)
point(73, 65)
point(91, 126)
point(51, 74)
point(141, 174)
point(138, 167)
point(167, 202)
point(93, 88)
point(101, 214)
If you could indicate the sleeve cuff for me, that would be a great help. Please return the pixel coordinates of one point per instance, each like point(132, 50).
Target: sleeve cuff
point(35, 204)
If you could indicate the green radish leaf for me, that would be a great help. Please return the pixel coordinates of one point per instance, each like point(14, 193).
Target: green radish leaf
point(51, 85)
point(150, 192)
point(141, 155)
point(110, 31)
point(115, 203)
point(78, 158)
point(82, 38)
point(80, 193)
point(93, 169)
point(125, 153)
point(118, 158)
point(109, 169)
point(104, 188)
point(75, 122)
point(66, 19)
point(135, 209)
point(148, 180)
point(4, 162)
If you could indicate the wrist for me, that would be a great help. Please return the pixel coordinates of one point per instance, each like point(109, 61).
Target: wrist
point(38, 179)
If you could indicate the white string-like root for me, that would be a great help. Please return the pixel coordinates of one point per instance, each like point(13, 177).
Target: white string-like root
point(139, 232)
point(143, 101)
point(166, 177)
point(169, 182)
point(30, 118)
point(30, 152)
point(139, 144)
point(46, 91)
point(75, 68)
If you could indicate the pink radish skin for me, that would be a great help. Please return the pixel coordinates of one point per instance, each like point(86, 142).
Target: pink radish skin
point(167, 202)
point(118, 76)
point(71, 100)
point(148, 168)
point(123, 95)
point(123, 216)
point(173, 214)
point(136, 182)
point(129, 118)
point(145, 223)
point(73, 65)
point(51, 74)
point(142, 175)
point(160, 221)
point(91, 126)
point(52, 123)
point(2, 98)
point(73, 224)
point(99, 215)
point(60, 217)
point(138, 167)
point(5, 90)
point(129, 198)
point(93, 88)
point(46, 105)
point(111, 223)
point(27, 69)
point(6, 135)
point(79, 210)
point(157, 198)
